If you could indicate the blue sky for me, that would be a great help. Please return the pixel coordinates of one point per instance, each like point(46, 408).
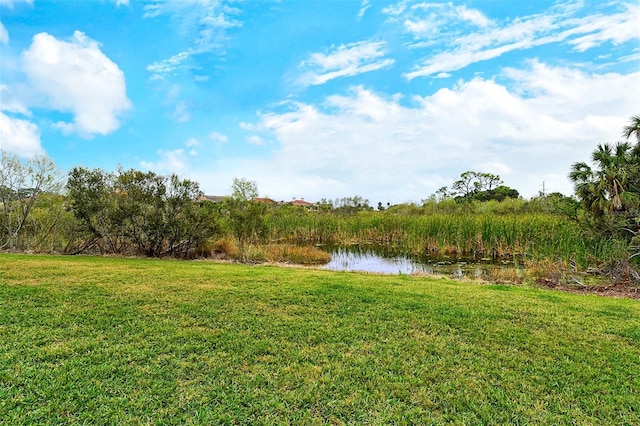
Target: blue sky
point(389, 100)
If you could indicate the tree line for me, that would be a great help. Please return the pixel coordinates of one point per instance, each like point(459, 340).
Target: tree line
point(144, 213)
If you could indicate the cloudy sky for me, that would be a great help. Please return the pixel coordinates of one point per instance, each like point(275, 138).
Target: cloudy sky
point(389, 100)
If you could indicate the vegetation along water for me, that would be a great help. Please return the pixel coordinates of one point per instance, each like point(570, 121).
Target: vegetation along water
point(130, 212)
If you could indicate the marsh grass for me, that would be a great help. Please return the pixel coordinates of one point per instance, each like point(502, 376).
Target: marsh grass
point(227, 248)
point(299, 255)
point(88, 340)
point(534, 236)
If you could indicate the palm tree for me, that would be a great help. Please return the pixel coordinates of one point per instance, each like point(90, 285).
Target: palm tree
point(633, 128)
point(614, 185)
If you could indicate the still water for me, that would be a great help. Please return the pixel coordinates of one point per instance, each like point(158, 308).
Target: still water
point(370, 260)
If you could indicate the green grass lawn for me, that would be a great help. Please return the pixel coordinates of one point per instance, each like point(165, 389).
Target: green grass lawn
point(136, 341)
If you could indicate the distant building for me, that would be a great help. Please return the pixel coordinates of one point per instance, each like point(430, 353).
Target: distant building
point(265, 200)
point(301, 203)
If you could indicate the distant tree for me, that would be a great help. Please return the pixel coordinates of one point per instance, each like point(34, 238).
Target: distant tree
point(246, 217)
point(407, 209)
point(557, 202)
point(487, 181)
point(499, 193)
point(480, 187)
point(443, 193)
point(22, 185)
point(324, 205)
point(467, 185)
point(351, 205)
point(244, 190)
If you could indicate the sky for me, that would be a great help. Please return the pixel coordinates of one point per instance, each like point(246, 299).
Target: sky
point(387, 100)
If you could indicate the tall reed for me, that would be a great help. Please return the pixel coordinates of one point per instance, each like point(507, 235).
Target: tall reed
point(530, 235)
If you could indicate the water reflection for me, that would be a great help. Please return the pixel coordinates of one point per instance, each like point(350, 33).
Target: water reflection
point(349, 260)
point(355, 258)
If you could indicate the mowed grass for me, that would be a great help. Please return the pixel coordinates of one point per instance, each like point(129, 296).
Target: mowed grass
point(136, 341)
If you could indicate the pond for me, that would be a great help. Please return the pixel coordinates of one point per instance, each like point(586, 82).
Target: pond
point(368, 259)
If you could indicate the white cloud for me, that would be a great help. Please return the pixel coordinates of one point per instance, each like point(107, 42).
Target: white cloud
point(10, 3)
point(64, 127)
point(255, 140)
point(219, 137)
point(382, 147)
point(205, 23)
point(174, 161)
point(191, 144)
point(19, 136)
point(344, 61)
point(122, 2)
point(9, 102)
point(179, 110)
point(181, 113)
point(169, 65)
point(634, 57)
point(4, 34)
point(433, 20)
point(251, 127)
point(556, 90)
point(439, 27)
point(599, 29)
point(396, 9)
point(75, 76)
point(169, 162)
point(453, 61)
point(473, 15)
point(364, 5)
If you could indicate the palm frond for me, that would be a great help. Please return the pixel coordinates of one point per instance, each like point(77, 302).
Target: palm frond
point(633, 128)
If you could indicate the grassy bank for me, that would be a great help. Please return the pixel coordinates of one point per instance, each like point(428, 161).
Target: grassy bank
point(113, 341)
